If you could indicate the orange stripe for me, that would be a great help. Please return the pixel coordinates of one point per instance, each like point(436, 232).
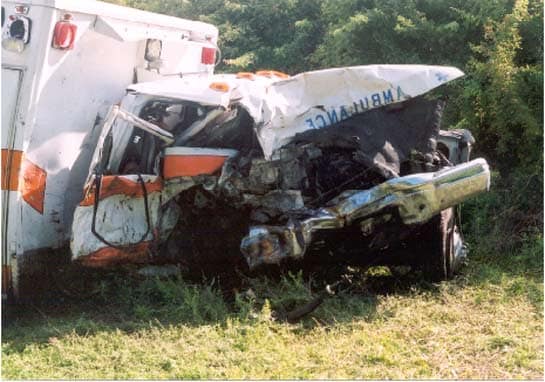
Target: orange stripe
point(33, 186)
point(116, 185)
point(11, 165)
point(107, 256)
point(191, 165)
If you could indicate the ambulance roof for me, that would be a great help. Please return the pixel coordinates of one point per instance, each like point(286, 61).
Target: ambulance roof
point(113, 13)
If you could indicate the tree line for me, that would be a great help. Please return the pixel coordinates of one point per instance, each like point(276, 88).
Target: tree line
point(497, 43)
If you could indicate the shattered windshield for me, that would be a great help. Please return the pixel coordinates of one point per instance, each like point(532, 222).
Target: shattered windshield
point(142, 148)
point(171, 116)
point(129, 149)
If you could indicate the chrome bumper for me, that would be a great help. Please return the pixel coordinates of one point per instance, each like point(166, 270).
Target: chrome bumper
point(417, 197)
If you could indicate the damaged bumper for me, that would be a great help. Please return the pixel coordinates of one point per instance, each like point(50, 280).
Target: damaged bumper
point(417, 198)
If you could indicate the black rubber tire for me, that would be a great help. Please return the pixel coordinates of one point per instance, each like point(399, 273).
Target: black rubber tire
point(437, 247)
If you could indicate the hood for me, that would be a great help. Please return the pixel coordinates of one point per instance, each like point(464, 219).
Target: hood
point(283, 107)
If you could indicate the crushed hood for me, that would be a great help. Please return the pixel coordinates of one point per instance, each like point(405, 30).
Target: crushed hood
point(284, 107)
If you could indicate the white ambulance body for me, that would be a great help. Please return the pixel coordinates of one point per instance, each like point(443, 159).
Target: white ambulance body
point(63, 63)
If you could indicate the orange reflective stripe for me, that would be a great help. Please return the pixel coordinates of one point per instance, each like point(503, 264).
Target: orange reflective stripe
point(191, 165)
point(33, 177)
point(11, 165)
point(108, 256)
point(117, 185)
point(33, 186)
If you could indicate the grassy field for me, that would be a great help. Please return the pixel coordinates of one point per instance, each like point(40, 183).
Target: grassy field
point(486, 323)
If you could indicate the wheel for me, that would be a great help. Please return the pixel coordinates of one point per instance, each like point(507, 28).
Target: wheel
point(439, 258)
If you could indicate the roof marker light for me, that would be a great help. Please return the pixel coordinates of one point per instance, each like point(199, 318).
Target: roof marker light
point(220, 86)
point(246, 75)
point(271, 73)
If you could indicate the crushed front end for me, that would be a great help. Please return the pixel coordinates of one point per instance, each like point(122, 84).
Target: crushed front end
point(344, 165)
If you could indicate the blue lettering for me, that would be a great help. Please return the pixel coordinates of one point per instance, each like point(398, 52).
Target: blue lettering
point(388, 96)
point(376, 100)
point(332, 117)
point(400, 93)
point(310, 123)
point(344, 113)
point(355, 108)
point(366, 106)
point(323, 121)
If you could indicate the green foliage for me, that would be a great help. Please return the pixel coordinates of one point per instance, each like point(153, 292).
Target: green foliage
point(504, 94)
point(267, 34)
point(408, 32)
point(173, 299)
point(503, 219)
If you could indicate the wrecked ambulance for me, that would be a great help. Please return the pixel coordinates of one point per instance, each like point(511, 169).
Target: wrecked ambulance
point(346, 165)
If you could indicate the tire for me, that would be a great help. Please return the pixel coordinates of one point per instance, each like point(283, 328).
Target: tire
point(437, 259)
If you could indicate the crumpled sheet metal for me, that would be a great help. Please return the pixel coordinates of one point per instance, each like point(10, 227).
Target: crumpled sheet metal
point(282, 108)
point(314, 100)
point(418, 197)
point(121, 218)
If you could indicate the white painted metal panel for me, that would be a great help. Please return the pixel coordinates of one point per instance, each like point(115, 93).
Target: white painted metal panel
point(199, 30)
point(11, 85)
point(122, 30)
point(11, 82)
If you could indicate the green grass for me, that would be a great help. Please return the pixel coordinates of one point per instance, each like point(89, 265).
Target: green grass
point(487, 323)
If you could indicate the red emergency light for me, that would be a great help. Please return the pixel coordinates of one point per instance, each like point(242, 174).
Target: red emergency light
point(64, 34)
point(208, 56)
